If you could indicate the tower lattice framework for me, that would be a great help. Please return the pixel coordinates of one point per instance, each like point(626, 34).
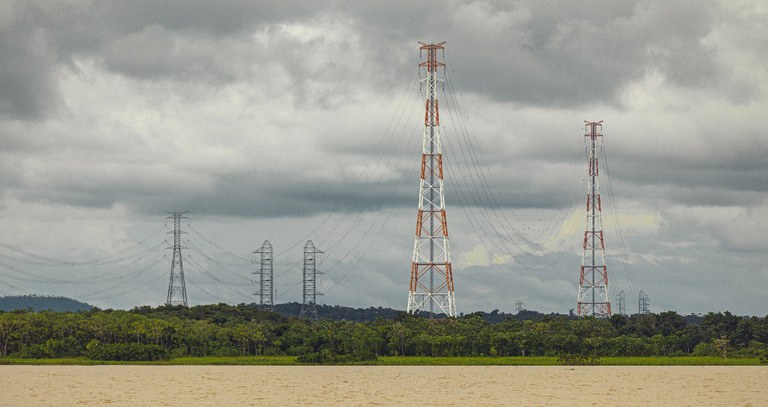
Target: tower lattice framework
point(431, 276)
point(265, 273)
point(177, 288)
point(643, 303)
point(593, 282)
point(309, 306)
point(621, 301)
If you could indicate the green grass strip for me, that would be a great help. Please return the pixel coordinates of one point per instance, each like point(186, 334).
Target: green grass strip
point(404, 361)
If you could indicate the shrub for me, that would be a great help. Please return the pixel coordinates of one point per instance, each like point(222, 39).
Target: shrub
point(309, 358)
point(704, 349)
point(179, 353)
point(227, 352)
point(34, 352)
point(364, 356)
point(64, 348)
point(52, 348)
point(127, 352)
point(326, 357)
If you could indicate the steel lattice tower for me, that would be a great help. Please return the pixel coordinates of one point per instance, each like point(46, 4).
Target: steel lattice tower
point(177, 288)
point(593, 281)
point(643, 302)
point(621, 301)
point(266, 290)
point(309, 306)
point(431, 251)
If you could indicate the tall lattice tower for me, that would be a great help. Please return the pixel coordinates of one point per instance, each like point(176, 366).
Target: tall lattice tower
point(431, 276)
point(593, 281)
point(621, 301)
point(643, 303)
point(309, 306)
point(266, 287)
point(177, 288)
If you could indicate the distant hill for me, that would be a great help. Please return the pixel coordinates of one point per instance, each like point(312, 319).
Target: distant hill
point(42, 303)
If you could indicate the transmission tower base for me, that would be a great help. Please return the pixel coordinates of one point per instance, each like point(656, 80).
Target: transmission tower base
point(420, 301)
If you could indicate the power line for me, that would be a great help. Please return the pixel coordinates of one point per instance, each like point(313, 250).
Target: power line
point(52, 262)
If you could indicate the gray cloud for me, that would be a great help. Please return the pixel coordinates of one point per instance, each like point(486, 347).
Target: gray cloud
point(547, 54)
point(27, 89)
point(558, 54)
point(277, 114)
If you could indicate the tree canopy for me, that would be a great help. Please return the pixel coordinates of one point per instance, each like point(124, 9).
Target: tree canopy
point(147, 333)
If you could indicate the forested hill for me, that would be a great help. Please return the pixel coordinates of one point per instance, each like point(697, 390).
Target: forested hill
point(42, 303)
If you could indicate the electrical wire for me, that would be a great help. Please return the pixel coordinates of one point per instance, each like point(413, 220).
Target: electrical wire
point(223, 250)
point(48, 261)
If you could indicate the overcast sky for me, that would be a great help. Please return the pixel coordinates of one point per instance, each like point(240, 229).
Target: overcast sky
point(292, 120)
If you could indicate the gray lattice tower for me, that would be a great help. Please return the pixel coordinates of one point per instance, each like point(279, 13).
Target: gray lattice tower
point(431, 280)
point(622, 302)
point(309, 306)
point(177, 288)
point(266, 286)
point(643, 303)
point(520, 306)
point(593, 279)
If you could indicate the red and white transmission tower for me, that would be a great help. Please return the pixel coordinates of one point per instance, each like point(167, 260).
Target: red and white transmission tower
point(593, 281)
point(431, 275)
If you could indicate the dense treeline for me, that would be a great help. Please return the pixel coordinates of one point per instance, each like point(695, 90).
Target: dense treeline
point(339, 312)
point(147, 333)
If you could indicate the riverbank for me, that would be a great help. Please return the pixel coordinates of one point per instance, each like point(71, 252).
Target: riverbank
point(384, 385)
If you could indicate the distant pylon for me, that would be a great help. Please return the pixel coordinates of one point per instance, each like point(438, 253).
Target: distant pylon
point(431, 251)
point(593, 280)
point(266, 293)
point(643, 303)
point(309, 306)
point(621, 301)
point(177, 288)
point(520, 306)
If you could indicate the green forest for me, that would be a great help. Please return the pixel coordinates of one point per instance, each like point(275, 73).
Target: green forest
point(165, 333)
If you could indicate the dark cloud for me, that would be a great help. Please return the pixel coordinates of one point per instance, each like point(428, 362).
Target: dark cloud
point(276, 113)
point(551, 53)
point(543, 53)
point(27, 88)
point(148, 189)
point(142, 39)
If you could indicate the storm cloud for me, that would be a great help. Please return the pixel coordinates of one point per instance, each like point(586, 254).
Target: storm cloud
point(288, 120)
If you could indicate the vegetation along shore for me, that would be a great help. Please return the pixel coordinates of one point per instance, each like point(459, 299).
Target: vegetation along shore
point(246, 335)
